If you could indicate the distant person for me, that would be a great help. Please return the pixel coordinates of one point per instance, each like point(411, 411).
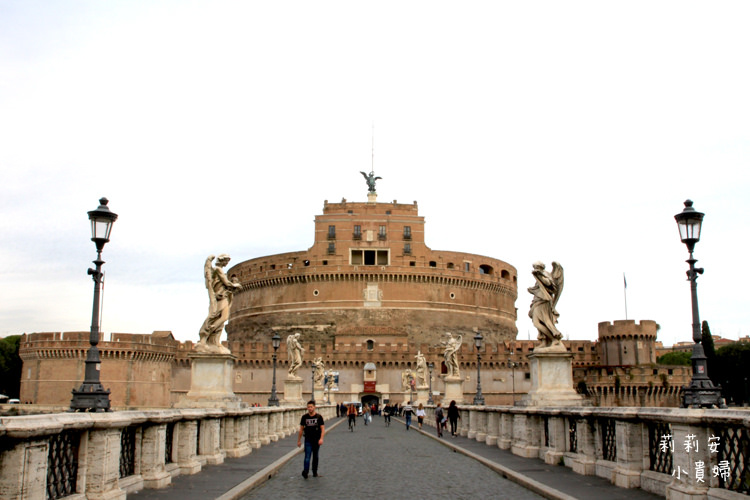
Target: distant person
point(406, 411)
point(439, 420)
point(312, 426)
point(367, 413)
point(343, 409)
point(453, 416)
point(387, 409)
point(351, 414)
point(338, 411)
point(420, 415)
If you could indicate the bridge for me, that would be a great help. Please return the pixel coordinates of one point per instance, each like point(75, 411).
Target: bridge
point(513, 452)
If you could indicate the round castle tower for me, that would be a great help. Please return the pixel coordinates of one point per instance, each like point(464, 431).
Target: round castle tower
point(369, 267)
point(626, 343)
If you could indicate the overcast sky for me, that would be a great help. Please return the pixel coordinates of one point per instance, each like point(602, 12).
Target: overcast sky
point(567, 131)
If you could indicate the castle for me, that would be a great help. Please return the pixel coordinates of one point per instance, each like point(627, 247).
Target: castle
point(366, 297)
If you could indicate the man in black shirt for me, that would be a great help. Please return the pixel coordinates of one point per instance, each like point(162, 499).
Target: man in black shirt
point(313, 427)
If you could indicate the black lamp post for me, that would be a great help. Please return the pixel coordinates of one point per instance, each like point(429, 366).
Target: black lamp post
point(274, 399)
point(513, 365)
point(91, 395)
point(701, 393)
point(430, 401)
point(478, 399)
point(312, 392)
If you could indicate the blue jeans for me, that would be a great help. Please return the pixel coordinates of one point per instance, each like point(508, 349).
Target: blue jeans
point(311, 449)
point(408, 421)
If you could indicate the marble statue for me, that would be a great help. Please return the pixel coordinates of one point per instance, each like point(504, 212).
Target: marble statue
point(421, 370)
point(546, 292)
point(294, 352)
point(370, 181)
point(220, 291)
point(452, 346)
point(319, 373)
point(407, 378)
point(329, 379)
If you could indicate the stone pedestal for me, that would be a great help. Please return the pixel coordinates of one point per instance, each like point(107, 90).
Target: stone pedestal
point(293, 392)
point(552, 381)
point(320, 395)
point(423, 394)
point(454, 390)
point(211, 378)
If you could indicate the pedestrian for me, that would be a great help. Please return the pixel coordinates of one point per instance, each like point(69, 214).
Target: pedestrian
point(313, 427)
point(407, 410)
point(343, 409)
point(338, 411)
point(420, 415)
point(367, 413)
point(387, 409)
point(439, 418)
point(351, 413)
point(453, 417)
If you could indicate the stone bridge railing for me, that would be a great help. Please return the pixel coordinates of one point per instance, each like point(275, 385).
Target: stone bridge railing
point(676, 453)
point(106, 455)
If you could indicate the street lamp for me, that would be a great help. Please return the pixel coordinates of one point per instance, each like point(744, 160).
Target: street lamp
point(274, 399)
point(312, 387)
point(478, 399)
point(430, 365)
point(91, 395)
point(701, 392)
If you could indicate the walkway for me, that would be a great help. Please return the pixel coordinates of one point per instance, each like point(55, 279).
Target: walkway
point(376, 461)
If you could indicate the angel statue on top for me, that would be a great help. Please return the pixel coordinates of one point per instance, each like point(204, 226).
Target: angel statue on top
point(370, 179)
point(452, 345)
point(220, 291)
point(543, 314)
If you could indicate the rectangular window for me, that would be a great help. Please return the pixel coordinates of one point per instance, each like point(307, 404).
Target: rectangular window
point(331, 248)
point(407, 232)
point(369, 257)
point(467, 266)
point(381, 233)
point(407, 248)
point(331, 232)
point(357, 232)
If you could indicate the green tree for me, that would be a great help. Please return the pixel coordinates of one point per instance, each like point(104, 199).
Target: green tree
point(675, 358)
point(731, 366)
point(10, 366)
point(708, 349)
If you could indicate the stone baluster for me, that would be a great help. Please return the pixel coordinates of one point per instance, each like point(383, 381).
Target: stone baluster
point(102, 464)
point(481, 425)
point(584, 462)
point(465, 422)
point(210, 445)
point(186, 432)
point(493, 427)
point(236, 436)
point(473, 423)
point(153, 451)
point(253, 436)
point(263, 429)
point(23, 469)
point(685, 484)
point(629, 454)
point(505, 439)
point(554, 451)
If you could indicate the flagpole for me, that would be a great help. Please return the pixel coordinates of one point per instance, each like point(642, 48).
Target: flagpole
point(625, 291)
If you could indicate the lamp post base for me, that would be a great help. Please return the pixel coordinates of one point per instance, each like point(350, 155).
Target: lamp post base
point(90, 397)
point(702, 394)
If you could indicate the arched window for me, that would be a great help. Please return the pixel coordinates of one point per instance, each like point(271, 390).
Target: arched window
point(370, 345)
point(485, 269)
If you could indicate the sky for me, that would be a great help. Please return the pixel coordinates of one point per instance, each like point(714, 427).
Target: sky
point(554, 131)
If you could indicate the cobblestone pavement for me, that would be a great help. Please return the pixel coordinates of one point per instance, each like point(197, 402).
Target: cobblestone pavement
point(376, 461)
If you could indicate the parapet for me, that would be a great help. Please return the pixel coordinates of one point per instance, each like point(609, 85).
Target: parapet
point(628, 329)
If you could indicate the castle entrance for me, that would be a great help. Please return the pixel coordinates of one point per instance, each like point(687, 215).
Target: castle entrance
point(371, 399)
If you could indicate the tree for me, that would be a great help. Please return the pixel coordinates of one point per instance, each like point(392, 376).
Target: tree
point(731, 366)
point(675, 358)
point(10, 366)
point(708, 349)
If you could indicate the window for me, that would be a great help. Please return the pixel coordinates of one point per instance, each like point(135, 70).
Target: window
point(433, 263)
point(450, 265)
point(412, 264)
point(381, 233)
point(369, 257)
point(467, 266)
point(485, 269)
point(370, 345)
point(331, 248)
point(407, 232)
point(407, 248)
point(357, 232)
point(331, 232)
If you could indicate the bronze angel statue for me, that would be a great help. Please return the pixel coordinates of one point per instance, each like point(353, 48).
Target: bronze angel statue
point(543, 314)
point(370, 179)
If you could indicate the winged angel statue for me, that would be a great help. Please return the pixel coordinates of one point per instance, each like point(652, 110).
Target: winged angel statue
point(546, 292)
point(220, 291)
point(370, 179)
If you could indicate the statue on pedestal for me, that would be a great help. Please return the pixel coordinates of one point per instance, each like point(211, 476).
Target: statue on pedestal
point(421, 370)
point(220, 291)
point(319, 373)
point(294, 352)
point(370, 179)
point(407, 380)
point(452, 346)
point(543, 314)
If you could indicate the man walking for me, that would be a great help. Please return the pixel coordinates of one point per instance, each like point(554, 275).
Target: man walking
point(313, 427)
point(407, 411)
